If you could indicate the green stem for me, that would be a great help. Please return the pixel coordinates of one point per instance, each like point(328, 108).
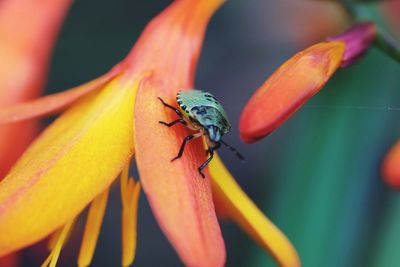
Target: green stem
point(350, 9)
point(387, 44)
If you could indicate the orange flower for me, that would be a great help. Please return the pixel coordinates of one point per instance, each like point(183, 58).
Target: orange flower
point(391, 167)
point(25, 46)
point(27, 33)
point(392, 9)
point(300, 78)
point(106, 122)
point(296, 81)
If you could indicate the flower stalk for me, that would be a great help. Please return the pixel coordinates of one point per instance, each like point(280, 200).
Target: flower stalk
point(387, 44)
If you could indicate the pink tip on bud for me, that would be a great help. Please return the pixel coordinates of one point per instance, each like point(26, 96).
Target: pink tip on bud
point(358, 39)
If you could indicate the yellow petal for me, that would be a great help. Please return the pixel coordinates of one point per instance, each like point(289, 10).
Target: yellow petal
point(239, 207)
point(76, 158)
point(92, 228)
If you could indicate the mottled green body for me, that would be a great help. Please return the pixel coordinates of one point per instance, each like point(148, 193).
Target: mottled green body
point(202, 111)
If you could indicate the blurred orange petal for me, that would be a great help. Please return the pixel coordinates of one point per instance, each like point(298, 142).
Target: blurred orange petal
point(67, 166)
point(392, 9)
point(236, 205)
point(314, 20)
point(391, 167)
point(289, 87)
point(10, 260)
point(180, 199)
point(28, 29)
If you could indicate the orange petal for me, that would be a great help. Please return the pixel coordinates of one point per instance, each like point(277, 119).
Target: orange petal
point(391, 167)
point(67, 166)
point(234, 203)
point(51, 104)
point(171, 43)
point(10, 260)
point(28, 30)
point(180, 199)
point(392, 10)
point(14, 139)
point(289, 87)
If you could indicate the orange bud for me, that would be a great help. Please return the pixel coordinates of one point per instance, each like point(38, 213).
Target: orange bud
point(391, 167)
point(289, 87)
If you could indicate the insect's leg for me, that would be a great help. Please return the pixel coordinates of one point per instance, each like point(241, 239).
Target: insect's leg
point(181, 121)
point(202, 166)
point(171, 107)
point(182, 148)
point(217, 145)
point(233, 150)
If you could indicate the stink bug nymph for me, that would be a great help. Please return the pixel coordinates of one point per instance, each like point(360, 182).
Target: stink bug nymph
point(201, 112)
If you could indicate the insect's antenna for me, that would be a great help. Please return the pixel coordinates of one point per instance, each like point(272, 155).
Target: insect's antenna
point(233, 150)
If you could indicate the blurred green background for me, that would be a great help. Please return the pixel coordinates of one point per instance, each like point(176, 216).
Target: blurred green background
point(317, 177)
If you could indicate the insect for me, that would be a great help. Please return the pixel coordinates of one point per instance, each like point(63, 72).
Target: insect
point(201, 112)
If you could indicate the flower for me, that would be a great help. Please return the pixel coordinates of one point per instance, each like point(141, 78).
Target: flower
point(391, 167)
point(24, 51)
point(25, 48)
point(392, 10)
point(104, 124)
point(300, 78)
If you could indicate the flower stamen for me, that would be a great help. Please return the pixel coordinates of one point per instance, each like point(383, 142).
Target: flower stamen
point(51, 243)
point(124, 183)
point(92, 228)
point(130, 192)
point(52, 259)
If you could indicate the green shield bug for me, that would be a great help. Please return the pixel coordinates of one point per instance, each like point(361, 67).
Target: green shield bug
point(201, 112)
